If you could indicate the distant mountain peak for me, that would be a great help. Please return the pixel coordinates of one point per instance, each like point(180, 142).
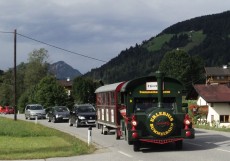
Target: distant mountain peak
point(63, 70)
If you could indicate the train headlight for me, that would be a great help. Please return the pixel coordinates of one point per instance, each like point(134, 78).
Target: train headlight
point(134, 122)
point(187, 122)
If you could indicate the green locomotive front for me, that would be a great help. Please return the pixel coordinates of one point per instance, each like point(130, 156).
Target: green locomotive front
point(152, 111)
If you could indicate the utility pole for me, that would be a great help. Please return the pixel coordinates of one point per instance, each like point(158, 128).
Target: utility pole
point(15, 76)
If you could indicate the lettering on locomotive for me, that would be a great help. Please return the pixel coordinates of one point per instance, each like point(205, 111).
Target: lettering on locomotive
point(166, 124)
point(153, 92)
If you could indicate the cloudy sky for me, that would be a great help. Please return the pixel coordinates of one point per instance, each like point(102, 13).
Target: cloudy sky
point(94, 31)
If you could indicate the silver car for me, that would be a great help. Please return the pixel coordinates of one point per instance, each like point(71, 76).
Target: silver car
point(33, 111)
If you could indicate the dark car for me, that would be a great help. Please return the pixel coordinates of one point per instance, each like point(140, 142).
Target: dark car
point(58, 114)
point(83, 115)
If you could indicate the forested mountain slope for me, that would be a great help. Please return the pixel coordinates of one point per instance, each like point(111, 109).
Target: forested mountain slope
point(207, 36)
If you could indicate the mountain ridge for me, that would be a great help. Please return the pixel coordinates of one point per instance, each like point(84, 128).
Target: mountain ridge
point(62, 70)
point(205, 36)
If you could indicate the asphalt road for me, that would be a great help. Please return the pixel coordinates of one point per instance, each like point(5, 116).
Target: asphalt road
point(207, 146)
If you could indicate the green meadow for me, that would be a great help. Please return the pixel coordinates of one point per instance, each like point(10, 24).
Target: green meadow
point(25, 140)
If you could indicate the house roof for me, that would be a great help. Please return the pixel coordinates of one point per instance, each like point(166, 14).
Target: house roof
point(213, 93)
point(65, 83)
point(217, 71)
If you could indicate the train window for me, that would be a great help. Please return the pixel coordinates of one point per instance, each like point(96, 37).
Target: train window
point(143, 104)
point(103, 98)
point(121, 99)
point(112, 98)
point(99, 95)
point(107, 98)
point(169, 102)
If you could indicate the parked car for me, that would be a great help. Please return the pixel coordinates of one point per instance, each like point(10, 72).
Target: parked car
point(83, 115)
point(7, 110)
point(58, 113)
point(1, 108)
point(35, 110)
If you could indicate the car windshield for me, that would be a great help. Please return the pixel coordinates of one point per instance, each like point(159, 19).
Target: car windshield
point(61, 109)
point(36, 107)
point(86, 108)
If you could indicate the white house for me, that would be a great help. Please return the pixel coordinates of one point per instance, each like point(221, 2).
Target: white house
point(217, 98)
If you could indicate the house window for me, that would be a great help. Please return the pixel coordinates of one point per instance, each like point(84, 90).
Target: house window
point(224, 118)
point(212, 118)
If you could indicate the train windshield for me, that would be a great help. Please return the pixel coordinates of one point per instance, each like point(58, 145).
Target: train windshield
point(143, 104)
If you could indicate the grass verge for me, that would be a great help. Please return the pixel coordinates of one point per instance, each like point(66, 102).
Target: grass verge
point(207, 127)
point(24, 140)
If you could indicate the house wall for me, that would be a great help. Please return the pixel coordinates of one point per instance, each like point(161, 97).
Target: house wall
point(218, 79)
point(215, 110)
point(201, 102)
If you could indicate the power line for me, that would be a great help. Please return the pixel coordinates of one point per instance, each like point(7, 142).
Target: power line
point(6, 32)
point(72, 52)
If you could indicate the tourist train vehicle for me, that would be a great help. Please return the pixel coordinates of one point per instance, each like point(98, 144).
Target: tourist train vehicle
point(147, 109)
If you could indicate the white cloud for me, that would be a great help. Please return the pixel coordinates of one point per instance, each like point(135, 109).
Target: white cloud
point(96, 28)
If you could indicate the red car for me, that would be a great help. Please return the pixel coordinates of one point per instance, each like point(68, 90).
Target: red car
point(7, 110)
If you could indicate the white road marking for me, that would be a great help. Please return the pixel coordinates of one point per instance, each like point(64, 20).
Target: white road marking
point(130, 156)
point(223, 150)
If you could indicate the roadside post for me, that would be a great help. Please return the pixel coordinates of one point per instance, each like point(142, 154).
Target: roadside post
point(36, 119)
point(89, 135)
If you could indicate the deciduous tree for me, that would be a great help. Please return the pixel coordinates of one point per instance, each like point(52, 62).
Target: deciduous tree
point(50, 93)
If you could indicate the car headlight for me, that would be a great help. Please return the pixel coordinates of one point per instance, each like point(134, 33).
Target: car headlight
point(57, 116)
point(81, 117)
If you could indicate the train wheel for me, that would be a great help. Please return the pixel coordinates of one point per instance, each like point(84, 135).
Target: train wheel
point(118, 133)
point(179, 144)
point(103, 130)
point(98, 125)
point(136, 146)
point(127, 137)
